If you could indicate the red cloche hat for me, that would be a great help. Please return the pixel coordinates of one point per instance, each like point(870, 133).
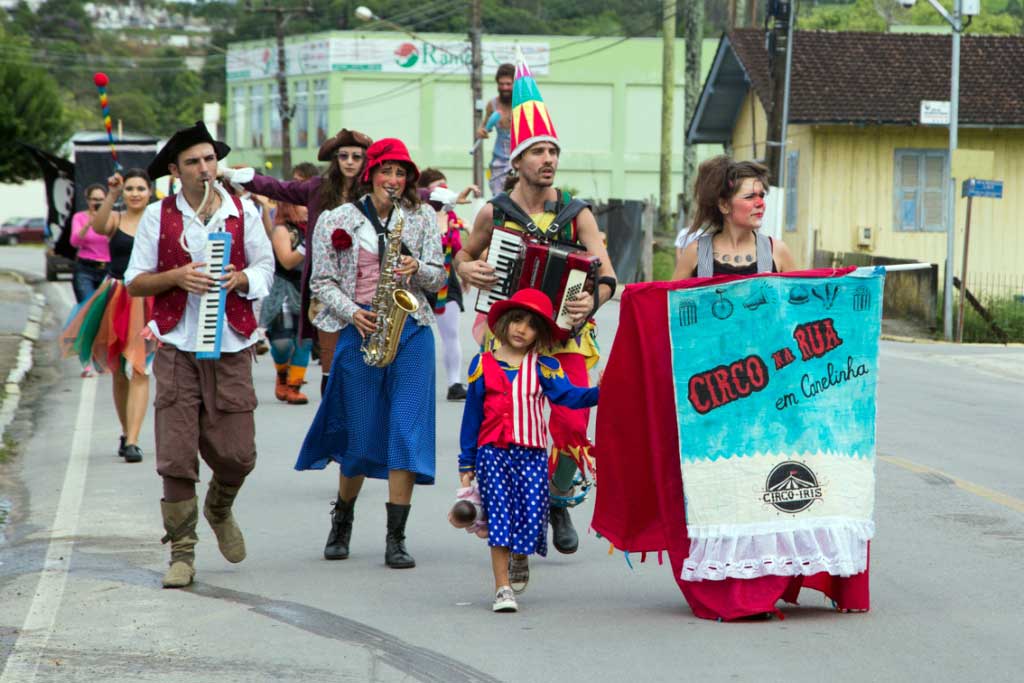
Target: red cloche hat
point(389, 149)
point(532, 300)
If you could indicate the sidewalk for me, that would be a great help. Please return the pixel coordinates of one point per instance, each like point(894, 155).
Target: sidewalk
point(21, 310)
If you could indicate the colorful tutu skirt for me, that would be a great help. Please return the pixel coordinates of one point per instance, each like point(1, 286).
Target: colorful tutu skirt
point(109, 330)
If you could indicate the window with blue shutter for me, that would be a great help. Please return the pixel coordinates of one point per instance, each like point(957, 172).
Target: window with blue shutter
point(922, 176)
point(792, 166)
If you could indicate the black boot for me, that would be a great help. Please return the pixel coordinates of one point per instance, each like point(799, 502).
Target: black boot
point(341, 530)
point(563, 535)
point(395, 555)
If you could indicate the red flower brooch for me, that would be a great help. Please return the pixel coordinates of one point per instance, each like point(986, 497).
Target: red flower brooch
point(341, 240)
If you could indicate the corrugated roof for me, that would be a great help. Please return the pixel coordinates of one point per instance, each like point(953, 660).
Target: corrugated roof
point(875, 78)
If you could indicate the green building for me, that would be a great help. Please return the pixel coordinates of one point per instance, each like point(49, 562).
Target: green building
point(604, 95)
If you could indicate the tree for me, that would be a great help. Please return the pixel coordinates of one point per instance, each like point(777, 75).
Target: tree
point(693, 30)
point(30, 111)
point(862, 15)
point(997, 16)
point(63, 20)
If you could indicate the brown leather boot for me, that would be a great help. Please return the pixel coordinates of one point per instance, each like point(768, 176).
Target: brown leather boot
point(217, 510)
point(281, 385)
point(296, 397)
point(296, 378)
point(180, 524)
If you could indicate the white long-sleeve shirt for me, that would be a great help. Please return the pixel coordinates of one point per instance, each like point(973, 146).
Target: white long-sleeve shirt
point(259, 257)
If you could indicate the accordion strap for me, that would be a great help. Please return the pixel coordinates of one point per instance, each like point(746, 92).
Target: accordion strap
point(566, 211)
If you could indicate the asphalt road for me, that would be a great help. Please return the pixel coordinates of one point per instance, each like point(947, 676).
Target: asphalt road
point(945, 562)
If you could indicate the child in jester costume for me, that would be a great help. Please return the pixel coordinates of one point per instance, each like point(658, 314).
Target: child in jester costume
point(535, 207)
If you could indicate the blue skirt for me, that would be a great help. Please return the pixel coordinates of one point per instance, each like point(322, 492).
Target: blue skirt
point(514, 491)
point(374, 420)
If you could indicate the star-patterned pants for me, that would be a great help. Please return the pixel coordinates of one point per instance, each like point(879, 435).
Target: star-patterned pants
point(514, 489)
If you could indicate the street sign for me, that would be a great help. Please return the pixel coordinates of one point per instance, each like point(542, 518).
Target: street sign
point(934, 112)
point(973, 187)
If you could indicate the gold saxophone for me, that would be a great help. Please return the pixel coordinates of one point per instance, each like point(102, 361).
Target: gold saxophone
point(390, 302)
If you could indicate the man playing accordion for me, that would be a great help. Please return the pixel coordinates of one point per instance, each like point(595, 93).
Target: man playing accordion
point(531, 205)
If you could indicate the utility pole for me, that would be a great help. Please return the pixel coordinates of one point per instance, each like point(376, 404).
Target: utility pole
point(281, 17)
point(778, 47)
point(693, 33)
point(668, 78)
point(476, 84)
point(954, 126)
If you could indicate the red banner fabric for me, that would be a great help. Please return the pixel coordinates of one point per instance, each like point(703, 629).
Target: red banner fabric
point(639, 505)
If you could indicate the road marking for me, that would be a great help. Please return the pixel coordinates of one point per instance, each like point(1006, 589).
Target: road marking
point(35, 633)
point(991, 495)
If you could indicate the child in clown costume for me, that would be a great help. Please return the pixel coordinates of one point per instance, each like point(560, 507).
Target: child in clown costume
point(535, 208)
point(504, 440)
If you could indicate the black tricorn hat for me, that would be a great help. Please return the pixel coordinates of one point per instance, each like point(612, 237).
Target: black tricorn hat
point(181, 141)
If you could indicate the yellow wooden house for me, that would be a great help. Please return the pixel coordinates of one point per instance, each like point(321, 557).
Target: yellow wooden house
point(864, 176)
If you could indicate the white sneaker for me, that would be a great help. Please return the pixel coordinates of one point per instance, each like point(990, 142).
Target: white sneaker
point(505, 600)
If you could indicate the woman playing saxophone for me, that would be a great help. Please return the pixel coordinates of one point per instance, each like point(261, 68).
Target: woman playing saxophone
point(377, 419)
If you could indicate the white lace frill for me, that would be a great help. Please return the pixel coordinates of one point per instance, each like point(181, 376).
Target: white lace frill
point(839, 549)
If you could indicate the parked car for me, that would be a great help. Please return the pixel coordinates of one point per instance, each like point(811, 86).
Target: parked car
point(15, 230)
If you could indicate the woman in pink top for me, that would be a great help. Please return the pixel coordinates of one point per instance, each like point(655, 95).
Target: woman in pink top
point(93, 248)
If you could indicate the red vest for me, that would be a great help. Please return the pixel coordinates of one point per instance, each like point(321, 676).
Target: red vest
point(513, 411)
point(169, 306)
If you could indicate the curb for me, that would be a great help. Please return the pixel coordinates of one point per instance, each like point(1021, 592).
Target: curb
point(16, 377)
point(907, 340)
point(920, 340)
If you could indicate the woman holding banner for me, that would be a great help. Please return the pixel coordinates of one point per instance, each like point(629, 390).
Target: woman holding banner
point(730, 204)
point(749, 394)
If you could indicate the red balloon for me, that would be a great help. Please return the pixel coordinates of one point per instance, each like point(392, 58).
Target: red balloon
point(100, 79)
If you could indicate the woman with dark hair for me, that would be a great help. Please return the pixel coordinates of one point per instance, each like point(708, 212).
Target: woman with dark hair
point(374, 421)
point(108, 330)
point(337, 185)
point(729, 207)
point(280, 312)
point(93, 253)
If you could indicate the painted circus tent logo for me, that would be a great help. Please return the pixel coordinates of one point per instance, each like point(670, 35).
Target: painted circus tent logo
point(406, 55)
point(791, 487)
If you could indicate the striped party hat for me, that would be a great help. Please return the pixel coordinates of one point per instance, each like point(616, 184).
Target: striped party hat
point(531, 122)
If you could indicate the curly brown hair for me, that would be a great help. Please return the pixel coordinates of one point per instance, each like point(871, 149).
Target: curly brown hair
point(719, 179)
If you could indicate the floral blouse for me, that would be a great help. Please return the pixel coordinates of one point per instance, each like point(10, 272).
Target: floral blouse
point(333, 278)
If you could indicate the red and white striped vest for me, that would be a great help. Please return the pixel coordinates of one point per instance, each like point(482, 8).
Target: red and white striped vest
point(513, 411)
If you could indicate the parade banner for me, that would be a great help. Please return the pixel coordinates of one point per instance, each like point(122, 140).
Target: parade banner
point(775, 381)
point(59, 179)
